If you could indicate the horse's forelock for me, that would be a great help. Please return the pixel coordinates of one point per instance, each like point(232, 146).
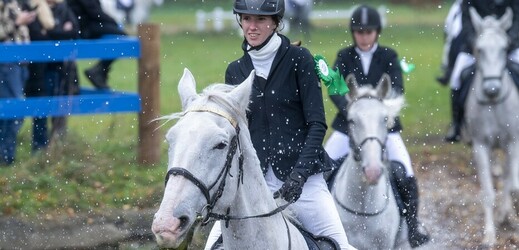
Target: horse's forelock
point(492, 30)
point(217, 93)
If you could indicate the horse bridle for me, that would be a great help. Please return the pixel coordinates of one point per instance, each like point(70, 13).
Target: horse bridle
point(489, 78)
point(357, 148)
point(211, 201)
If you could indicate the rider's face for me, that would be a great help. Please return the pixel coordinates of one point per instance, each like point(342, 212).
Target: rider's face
point(365, 39)
point(257, 29)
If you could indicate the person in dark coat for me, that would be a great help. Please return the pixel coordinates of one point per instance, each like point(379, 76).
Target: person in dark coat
point(368, 61)
point(94, 23)
point(13, 29)
point(465, 59)
point(286, 118)
point(55, 22)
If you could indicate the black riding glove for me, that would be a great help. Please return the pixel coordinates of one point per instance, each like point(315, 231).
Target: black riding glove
point(293, 186)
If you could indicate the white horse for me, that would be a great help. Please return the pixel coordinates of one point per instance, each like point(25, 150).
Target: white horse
point(214, 173)
point(362, 188)
point(492, 118)
point(129, 12)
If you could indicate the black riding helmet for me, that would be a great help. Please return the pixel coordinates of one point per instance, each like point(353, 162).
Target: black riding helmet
point(260, 7)
point(365, 18)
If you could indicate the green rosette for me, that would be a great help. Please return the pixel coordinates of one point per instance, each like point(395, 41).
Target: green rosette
point(406, 67)
point(332, 79)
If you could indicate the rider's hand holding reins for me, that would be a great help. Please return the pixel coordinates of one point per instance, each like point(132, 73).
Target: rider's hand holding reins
point(293, 186)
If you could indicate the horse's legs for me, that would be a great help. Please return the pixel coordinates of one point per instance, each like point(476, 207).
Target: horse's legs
point(513, 176)
point(481, 154)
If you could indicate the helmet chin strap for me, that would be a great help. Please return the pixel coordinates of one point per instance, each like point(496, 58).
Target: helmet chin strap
point(244, 45)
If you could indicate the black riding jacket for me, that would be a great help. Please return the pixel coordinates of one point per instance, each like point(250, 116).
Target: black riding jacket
point(93, 21)
point(385, 60)
point(286, 112)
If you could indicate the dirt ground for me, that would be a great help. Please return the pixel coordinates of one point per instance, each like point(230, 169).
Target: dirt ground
point(451, 210)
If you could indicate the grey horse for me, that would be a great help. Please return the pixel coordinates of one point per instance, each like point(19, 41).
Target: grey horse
point(361, 189)
point(492, 119)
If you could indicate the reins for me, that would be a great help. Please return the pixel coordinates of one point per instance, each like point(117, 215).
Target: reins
point(367, 214)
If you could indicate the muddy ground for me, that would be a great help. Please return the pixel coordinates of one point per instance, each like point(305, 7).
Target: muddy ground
point(451, 210)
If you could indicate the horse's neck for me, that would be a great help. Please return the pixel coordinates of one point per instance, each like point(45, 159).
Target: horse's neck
point(351, 189)
point(254, 198)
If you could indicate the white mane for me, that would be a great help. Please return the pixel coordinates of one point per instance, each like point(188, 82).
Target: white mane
point(214, 93)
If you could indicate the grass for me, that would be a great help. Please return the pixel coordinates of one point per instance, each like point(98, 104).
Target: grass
point(94, 168)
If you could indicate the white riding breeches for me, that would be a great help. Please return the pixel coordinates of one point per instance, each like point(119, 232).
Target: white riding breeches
point(315, 209)
point(338, 145)
point(465, 60)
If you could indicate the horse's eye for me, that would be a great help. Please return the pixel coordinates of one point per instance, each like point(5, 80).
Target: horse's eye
point(220, 145)
point(386, 119)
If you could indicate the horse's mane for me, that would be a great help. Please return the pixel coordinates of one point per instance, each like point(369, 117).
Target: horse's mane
point(214, 94)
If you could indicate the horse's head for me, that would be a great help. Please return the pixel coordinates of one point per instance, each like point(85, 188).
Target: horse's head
point(371, 111)
point(203, 157)
point(490, 49)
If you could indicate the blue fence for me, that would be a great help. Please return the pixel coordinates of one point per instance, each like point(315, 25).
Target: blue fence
point(87, 101)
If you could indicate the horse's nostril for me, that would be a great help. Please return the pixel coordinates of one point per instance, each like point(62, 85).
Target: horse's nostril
point(184, 221)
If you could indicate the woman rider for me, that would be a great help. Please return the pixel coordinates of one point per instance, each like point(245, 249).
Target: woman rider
point(286, 118)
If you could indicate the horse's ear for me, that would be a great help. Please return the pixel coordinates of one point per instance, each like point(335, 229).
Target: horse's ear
point(242, 92)
point(476, 19)
point(384, 86)
point(506, 19)
point(352, 85)
point(187, 88)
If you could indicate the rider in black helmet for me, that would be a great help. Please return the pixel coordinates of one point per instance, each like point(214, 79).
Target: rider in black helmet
point(368, 61)
point(286, 118)
point(461, 69)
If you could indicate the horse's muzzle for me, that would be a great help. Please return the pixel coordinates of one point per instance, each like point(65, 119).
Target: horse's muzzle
point(492, 87)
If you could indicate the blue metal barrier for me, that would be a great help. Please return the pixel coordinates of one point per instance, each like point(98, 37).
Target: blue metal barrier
point(87, 101)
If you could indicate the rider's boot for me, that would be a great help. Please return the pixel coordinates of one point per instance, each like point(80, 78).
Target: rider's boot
point(454, 132)
point(406, 193)
point(445, 77)
point(410, 199)
point(514, 69)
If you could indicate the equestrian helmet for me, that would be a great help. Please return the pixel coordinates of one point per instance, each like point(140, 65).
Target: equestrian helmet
point(365, 18)
point(260, 7)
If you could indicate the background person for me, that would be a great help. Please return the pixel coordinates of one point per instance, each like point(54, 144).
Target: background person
point(13, 29)
point(368, 60)
point(94, 23)
point(286, 118)
point(465, 59)
point(55, 22)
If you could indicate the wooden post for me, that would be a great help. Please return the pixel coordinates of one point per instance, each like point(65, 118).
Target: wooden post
point(149, 81)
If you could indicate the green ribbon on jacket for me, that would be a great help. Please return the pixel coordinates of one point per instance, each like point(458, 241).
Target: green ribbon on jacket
point(332, 79)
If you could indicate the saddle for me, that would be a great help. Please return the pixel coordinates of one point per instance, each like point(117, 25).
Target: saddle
point(313, 242)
